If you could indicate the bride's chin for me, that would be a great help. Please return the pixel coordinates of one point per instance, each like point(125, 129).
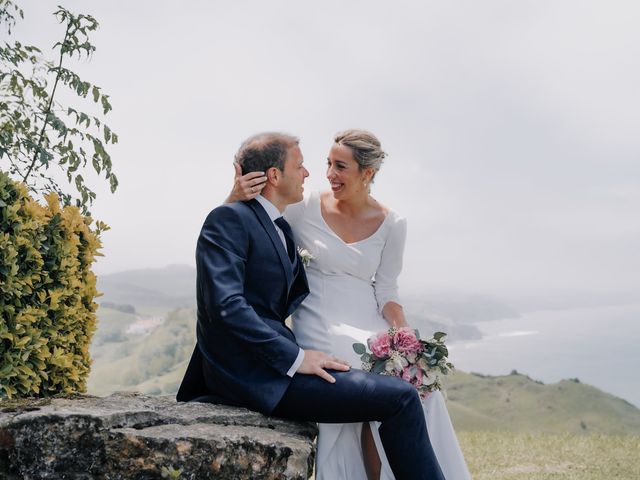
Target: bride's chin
point(338, 192)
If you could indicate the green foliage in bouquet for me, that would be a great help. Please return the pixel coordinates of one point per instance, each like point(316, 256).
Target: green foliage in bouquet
point(47, 288)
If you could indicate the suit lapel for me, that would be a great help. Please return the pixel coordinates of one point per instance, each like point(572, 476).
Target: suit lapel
point(275, 239)
point(299, 289)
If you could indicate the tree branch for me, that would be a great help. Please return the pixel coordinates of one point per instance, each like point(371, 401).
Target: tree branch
point(48, 110)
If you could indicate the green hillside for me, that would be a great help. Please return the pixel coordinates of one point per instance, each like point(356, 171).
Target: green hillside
point(517, 403)
point(150, 362)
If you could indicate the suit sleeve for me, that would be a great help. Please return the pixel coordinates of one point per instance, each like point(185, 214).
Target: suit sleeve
point(221, 256)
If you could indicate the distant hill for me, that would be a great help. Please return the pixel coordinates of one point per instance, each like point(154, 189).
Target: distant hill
point(146, 333)
point(159, 290)
point(152, 289)
point(459, 307)
point(155, 363)
point(517, 403)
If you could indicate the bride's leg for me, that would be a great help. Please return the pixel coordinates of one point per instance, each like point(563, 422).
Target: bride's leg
point(372, 463)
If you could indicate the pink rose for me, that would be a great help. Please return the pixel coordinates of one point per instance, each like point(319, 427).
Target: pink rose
point(380, 345)
point(412, 375)
point(405, 341)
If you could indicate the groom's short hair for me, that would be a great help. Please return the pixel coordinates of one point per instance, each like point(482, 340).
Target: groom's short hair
point(265, 150)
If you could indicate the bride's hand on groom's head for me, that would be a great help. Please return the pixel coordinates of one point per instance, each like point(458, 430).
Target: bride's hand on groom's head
point(317, 363)
point(246, 187)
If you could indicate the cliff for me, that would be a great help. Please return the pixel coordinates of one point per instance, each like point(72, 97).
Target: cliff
point(132, 436)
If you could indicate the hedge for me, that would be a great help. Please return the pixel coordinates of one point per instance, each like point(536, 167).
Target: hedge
point(47, 288)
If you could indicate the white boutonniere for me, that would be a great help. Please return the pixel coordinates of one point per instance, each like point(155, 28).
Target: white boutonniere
point(305, 256)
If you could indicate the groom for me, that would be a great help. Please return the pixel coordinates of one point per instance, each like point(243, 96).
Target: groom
point(249, 280)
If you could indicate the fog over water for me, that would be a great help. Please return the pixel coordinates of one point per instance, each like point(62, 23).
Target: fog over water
point(511, 127)
point(597, 345)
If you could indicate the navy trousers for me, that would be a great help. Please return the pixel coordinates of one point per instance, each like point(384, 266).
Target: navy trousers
point(359, 396)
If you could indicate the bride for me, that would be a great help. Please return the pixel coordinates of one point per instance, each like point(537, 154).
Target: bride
point(356, 247)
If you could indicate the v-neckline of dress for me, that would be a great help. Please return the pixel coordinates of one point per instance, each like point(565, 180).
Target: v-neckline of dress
point(333, 232)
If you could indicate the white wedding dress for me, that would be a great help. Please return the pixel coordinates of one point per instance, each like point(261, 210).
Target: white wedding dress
point(344, 307)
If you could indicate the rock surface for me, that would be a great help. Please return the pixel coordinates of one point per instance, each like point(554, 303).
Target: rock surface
point(128, 436)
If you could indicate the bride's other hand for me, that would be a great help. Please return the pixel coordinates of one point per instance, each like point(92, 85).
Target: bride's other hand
point(394, 314)
point(315, 363)
point(246, 187)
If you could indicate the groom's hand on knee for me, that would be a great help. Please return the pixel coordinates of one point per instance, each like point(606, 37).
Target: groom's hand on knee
point(315, 363)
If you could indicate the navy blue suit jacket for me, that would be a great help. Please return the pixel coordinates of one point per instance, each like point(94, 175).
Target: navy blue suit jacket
point(246, 288)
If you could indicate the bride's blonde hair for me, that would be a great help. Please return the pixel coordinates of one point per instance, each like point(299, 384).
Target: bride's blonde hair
point(365, 146)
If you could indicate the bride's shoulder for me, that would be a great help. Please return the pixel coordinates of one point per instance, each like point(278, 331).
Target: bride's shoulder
point(396, 224)
point(396, 221)
point(296, 211)
point(391, 215)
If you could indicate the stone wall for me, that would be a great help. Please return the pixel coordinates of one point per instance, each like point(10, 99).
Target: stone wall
point(129, 436)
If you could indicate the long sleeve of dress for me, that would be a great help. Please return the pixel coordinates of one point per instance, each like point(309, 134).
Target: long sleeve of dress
point(386, 277)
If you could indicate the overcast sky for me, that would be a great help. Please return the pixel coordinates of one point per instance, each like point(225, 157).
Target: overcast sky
point(512, 127)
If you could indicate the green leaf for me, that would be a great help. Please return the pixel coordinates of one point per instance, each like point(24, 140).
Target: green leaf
point(378, 367)
point(439, 336)
point(96, 94)
point(106, 106)
point(359, 348)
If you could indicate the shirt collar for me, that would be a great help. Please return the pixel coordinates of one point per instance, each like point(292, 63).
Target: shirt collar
point(269, 207)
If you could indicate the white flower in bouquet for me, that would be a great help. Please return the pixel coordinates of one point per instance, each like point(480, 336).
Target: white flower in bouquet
point(423, 363)
point(398, 361)
point(389, 367)
point(429, 378)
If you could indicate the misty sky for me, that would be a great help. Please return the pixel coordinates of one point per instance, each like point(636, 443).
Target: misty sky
point(512, 127)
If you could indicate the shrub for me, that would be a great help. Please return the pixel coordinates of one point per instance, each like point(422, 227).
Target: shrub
point(47, 288)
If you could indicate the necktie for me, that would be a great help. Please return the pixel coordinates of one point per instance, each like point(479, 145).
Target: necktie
point(288, 236)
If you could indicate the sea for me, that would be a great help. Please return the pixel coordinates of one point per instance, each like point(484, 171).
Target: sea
point(599, 346)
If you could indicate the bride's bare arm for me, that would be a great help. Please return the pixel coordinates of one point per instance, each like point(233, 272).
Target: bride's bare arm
point(246, 187)
point(394, 314)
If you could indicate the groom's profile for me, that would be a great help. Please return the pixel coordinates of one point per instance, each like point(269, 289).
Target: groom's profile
point(249, 280)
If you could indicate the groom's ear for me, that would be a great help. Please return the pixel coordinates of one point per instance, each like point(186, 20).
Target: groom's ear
point(273, 175)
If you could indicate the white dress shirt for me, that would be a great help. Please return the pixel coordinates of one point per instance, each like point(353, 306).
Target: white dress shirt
point(274, 213)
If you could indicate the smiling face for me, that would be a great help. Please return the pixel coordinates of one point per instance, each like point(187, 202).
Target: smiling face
point(290, 187)
point(344, 174)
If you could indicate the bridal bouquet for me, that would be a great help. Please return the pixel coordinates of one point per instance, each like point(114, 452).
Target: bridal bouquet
point(401, 352)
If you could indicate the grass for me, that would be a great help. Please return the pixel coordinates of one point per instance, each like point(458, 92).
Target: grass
point(520, 456)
